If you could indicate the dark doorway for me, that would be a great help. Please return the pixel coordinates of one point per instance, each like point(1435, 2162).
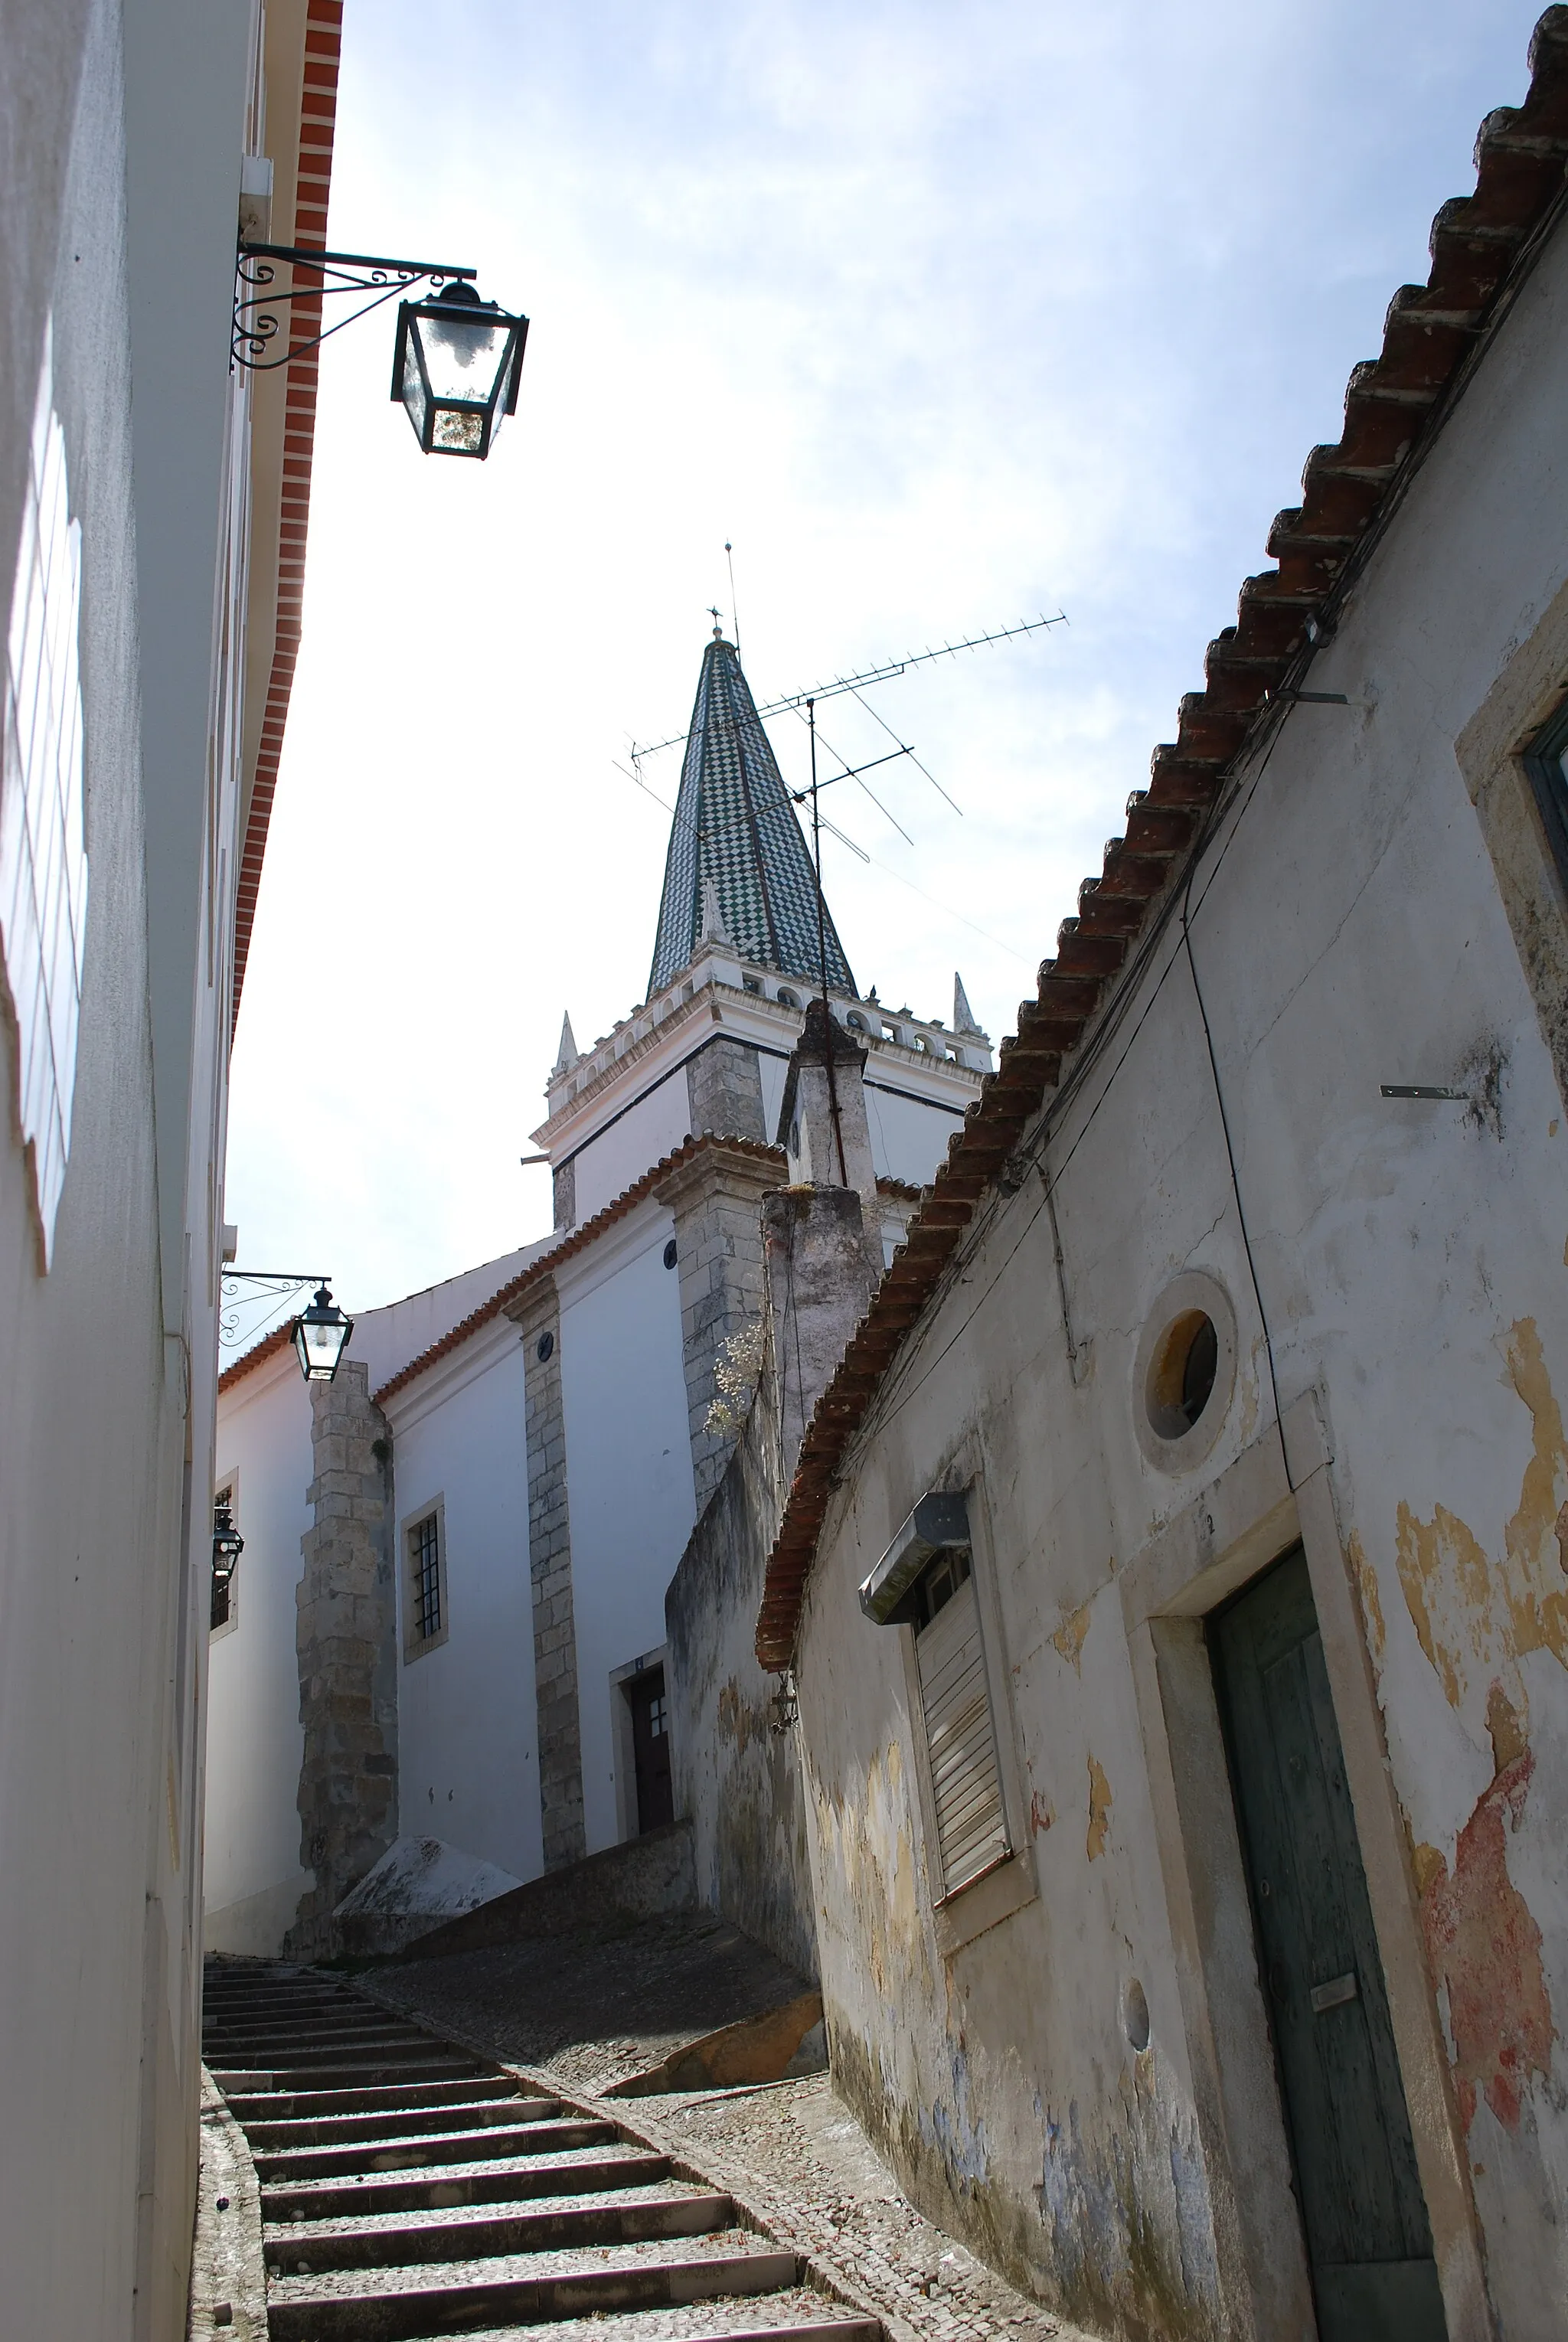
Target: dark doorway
point(1365, 2216)
point(651, 1750)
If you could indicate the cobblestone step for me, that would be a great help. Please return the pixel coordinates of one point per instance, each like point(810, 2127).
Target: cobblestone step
point(799, 2315)
point(394, 2122)
point(372, 2074)
point(442, 2190)
point(485, 2235)
point(418, 2148)
point(451, 2300)
point(410, 2191)
point(255, 2044)
point(286, 2105)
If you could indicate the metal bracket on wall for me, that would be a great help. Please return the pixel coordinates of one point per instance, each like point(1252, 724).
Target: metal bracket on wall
point(317, 274)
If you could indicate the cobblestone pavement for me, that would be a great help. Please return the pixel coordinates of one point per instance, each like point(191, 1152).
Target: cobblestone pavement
point(792, 2152)
point(799, 2158)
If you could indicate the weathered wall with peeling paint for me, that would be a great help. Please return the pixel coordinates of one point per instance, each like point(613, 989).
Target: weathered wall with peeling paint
point(736, 1778)
point(1347, 930)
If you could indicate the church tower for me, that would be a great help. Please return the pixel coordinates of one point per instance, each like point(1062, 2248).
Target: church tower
point(735, 963)
point(735, 840)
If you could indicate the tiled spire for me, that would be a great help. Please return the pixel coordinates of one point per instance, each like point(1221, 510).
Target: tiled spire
point(735, 840)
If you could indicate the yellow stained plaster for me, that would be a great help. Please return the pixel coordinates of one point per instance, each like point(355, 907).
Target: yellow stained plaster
point(1371, 1600)
point(1099, 1811)
point(1476, 1617)
point(1070, 1635)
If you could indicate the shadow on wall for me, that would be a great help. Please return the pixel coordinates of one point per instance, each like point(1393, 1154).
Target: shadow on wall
point(736, 1776)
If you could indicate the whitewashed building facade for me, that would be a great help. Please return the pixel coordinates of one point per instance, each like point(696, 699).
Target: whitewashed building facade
point(1175, 1577)
point(153, 547)
point(541, 1424)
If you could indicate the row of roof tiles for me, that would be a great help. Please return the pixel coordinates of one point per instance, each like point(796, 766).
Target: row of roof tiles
point(1393, 406)
point(318, 114)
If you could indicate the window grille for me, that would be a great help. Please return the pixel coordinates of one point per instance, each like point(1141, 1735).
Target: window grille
point(424, 1553)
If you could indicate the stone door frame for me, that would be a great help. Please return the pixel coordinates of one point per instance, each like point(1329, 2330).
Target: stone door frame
point(1235, 1526)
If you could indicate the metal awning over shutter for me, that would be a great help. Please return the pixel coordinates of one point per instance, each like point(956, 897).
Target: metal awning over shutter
point(970, 1831)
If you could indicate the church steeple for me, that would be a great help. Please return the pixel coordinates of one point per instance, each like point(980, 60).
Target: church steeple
point(735, 844)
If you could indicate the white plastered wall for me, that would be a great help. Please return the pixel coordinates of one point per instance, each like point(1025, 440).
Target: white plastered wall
point(467, 1763)
point(256, 1741)
point(630, 1488)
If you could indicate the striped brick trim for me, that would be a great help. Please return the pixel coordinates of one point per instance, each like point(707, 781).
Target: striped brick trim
point(318, 114)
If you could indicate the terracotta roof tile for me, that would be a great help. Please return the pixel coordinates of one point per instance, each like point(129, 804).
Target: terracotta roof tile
point(1395, 405)
point(257, 1356)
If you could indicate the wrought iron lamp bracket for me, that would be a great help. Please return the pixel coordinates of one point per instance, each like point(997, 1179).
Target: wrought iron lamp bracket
point(257, 299)
point(278, 1284)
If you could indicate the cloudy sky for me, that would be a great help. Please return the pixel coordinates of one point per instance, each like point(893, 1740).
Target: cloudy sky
point(947, 316)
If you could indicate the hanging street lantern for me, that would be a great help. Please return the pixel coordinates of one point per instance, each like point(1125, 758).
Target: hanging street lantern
point(320, 1337)
point(456, 368)
point(457, 357)
point(227, 1543)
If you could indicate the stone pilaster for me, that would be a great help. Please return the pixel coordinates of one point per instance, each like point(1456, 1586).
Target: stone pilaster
point(725, 1091)
point(345, 1634)
point(559, 1731)
point(716, 1198)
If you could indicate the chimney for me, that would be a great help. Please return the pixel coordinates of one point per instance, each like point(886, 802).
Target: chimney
point(823, 1122)
point(818, 1287)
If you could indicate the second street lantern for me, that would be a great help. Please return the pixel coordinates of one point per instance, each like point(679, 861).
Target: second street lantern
point(455, 369)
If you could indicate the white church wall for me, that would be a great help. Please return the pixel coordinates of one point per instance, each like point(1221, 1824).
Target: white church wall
point(389, 1337)
point(908, 1139)
point(256, 1742)
point(630, 1485)
point(653, 1127)
point(467, 1768)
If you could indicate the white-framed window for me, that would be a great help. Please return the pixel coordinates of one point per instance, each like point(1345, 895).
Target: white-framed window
point(42, 847)
point(424, 1600)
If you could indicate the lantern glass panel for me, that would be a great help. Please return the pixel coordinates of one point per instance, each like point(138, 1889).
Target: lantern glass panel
point(463, 356)
point(458, 431)
point(413, 386)
point(321, 1344)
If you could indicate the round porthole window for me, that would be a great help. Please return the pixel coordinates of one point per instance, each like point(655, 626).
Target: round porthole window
point(1181, 1376)
point(671, 1252)
point(544, 1348)
point(1185, 1372)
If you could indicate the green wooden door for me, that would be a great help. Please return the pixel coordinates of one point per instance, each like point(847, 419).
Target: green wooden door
point(1367, 2236)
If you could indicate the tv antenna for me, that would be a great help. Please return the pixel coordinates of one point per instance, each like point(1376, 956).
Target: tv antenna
point(890, 668)
point(804, 704)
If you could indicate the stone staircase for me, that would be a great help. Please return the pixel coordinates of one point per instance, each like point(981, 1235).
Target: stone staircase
point(409, 2190)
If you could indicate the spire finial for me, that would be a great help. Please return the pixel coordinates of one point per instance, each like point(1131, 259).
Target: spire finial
point(715, 614)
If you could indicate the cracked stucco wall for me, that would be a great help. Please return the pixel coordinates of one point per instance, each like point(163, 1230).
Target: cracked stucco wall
point(1356, 923)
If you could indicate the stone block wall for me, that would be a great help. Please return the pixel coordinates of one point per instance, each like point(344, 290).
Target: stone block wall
point(347, 1638)
point(725, 1091)
point(560, 1734)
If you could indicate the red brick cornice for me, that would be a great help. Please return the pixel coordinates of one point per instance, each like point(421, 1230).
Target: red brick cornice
point(318, 112)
